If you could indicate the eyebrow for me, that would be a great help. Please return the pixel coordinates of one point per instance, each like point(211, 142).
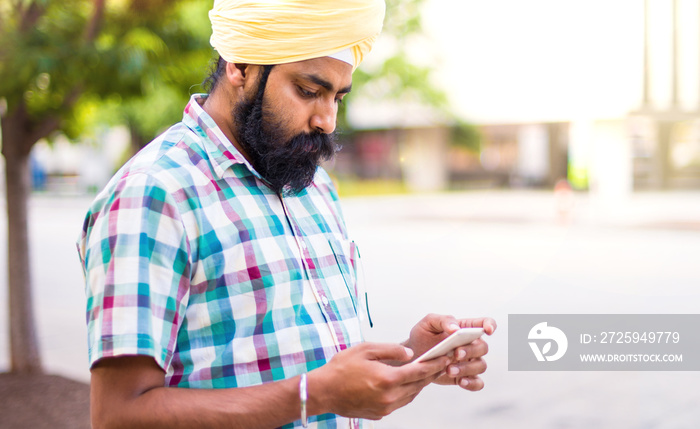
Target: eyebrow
point(325, 84)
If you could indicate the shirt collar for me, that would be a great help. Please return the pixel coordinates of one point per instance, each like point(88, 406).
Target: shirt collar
point(222, 153)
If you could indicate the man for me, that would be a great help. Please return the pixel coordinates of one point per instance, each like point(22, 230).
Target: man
point(220, 278)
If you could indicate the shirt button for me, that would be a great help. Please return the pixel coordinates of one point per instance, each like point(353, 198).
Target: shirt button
point(324, 300)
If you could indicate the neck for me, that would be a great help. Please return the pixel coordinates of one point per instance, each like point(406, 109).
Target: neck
point(219, 107)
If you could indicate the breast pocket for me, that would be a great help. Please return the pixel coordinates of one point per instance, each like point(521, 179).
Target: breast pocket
point(346, 257)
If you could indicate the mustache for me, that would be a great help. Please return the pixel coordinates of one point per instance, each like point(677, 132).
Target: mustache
point(315, 143)
point(314, 147)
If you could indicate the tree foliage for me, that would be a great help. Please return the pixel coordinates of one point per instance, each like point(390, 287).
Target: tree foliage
point(397, 75)
point(401, 79)
point(66, 65)
point(55, 55)
point(182, 64)
point(58, 59)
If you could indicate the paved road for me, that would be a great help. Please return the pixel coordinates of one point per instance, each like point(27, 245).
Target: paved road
point(478, 253)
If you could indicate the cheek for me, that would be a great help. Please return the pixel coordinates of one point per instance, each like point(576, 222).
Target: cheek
point(291, 113)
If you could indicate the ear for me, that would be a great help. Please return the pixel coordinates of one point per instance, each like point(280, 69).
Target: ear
point(236, 74)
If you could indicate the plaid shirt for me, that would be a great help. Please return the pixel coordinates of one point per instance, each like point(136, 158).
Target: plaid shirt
point(191, 259)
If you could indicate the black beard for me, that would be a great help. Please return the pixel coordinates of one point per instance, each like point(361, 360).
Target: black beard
point(288, 166)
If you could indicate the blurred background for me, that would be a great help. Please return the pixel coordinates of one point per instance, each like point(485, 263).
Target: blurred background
point(499, 157)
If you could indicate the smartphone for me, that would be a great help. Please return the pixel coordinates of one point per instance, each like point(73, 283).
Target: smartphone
point(461, 337)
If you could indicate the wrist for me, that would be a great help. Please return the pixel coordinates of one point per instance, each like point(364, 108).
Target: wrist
point(318, 396)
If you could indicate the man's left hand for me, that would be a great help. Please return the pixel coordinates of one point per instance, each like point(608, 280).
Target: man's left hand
point(467, 361)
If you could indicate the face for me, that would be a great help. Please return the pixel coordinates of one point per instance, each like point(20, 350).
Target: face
point(287, 120)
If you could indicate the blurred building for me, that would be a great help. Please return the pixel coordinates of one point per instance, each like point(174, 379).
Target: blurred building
point(513, 155)
point(397, 141)
point(418, 157)
point(656, 146)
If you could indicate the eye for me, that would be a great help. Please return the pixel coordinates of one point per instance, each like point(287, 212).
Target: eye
point(339, 101)
point(306, 93)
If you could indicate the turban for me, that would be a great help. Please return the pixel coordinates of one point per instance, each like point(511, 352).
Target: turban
point(284, 31)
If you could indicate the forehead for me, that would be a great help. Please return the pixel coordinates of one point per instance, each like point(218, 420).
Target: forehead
point(331, 70)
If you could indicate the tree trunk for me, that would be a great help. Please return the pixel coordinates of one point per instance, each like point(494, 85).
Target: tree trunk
point(24, 350)
point(19, 133)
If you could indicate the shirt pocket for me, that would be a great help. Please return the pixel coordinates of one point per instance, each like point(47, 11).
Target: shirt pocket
point(346, 257)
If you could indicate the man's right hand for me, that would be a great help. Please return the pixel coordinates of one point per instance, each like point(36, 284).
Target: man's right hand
point(129, 392)
point(357, 383)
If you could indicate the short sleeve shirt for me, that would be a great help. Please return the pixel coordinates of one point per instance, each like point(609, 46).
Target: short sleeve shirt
point(191, 259)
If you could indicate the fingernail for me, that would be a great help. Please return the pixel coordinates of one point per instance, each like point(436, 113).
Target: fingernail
point(461, 354)
point(453, 370)
point(464, 382)
point(454, 326)
point(409, 352)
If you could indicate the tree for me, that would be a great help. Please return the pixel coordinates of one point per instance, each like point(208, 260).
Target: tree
point(54, 55)
point(400, 78)
point(397, 77)
point(137, 57)
point(163, 93)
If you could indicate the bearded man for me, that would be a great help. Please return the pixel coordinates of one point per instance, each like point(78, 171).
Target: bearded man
point(221, 281)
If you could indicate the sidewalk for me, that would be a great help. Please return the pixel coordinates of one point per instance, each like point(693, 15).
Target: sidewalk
point(468, 254)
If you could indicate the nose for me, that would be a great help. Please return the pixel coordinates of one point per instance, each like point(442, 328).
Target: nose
point(324, 117)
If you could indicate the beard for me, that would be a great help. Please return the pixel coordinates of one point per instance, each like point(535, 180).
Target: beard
point(289, 166)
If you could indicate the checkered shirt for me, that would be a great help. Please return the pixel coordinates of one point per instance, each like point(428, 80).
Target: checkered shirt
point(191, 259)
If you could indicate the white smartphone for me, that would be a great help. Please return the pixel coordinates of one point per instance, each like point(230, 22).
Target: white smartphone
point(459, 338)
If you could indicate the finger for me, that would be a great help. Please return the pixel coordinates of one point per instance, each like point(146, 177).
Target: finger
point(437, 323)
point(460, 354)
point(413, 388)
point(473, 384)
point(487, 323)
point(382, 351)
point(419, 371)
point(448, 324)
point(475, 349)
point(468, 368)
point(404, 394)
point(405, 399)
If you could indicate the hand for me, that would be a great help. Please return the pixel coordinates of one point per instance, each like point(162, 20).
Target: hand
point(357, 383)
point(466, 362)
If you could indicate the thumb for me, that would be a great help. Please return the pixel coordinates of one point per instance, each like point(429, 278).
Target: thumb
point(381, 351)
point(437, 324)
point(449, 324)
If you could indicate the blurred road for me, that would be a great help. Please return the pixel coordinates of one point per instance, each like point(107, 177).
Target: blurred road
point(467, 254)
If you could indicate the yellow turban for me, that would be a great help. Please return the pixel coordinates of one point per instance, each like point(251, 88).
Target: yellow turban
point(285, 31)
